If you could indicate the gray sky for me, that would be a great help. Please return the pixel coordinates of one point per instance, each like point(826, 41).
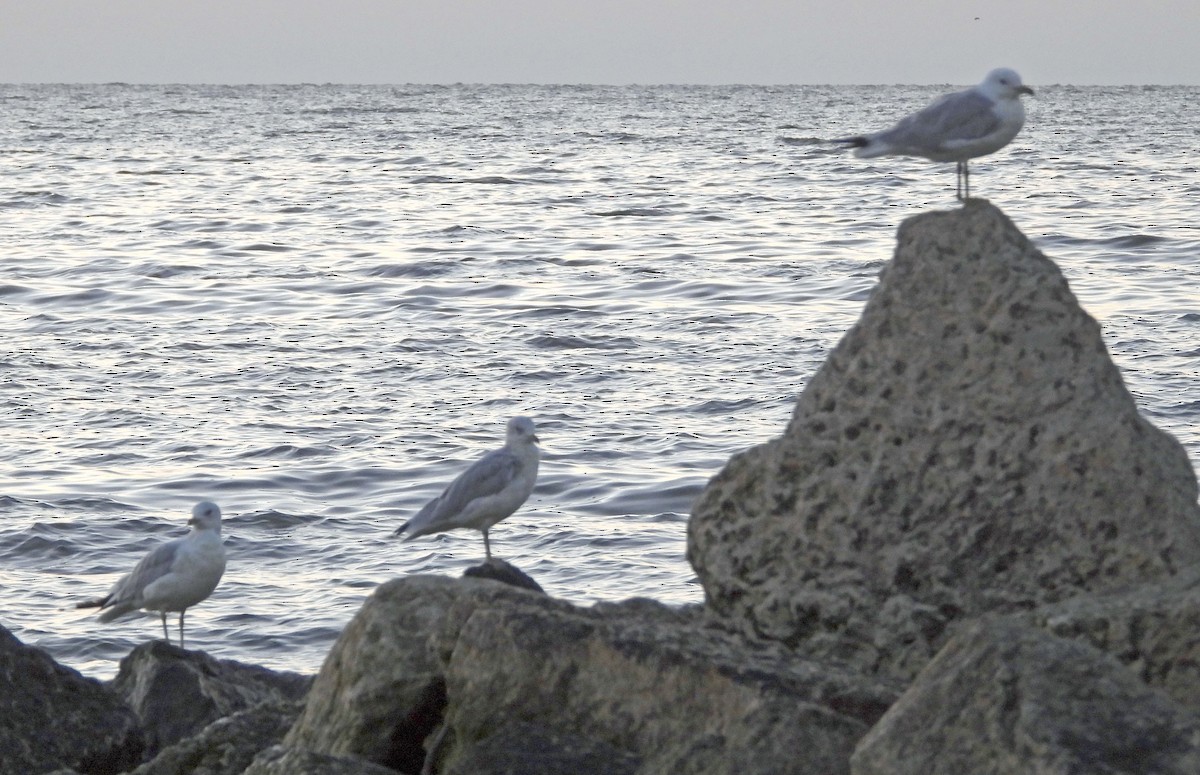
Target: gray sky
point(599, 41)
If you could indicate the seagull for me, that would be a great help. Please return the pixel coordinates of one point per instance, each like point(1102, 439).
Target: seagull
point(173, 576)
point(493, 487)
point(957, 127)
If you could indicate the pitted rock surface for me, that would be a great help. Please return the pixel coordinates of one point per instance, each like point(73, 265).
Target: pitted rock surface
point(969, 446)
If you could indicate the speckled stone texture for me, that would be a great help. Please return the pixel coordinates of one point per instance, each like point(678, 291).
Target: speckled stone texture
point(228, 745)
point(177, 693)
point(968, 447)
point(677, 697)
point(1004, 698)
point(381, 691)
point(541, 685)
point(52, 717)
point(281, 760)
point(1153, 629)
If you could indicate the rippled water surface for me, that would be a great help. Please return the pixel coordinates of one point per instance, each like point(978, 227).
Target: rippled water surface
point(314, 304)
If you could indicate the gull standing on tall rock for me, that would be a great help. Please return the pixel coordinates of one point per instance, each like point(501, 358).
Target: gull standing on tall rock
point(493, 487)
point(957, 127)
point(174, 576)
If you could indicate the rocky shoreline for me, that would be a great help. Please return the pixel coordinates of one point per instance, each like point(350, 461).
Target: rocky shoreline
point(967, 553)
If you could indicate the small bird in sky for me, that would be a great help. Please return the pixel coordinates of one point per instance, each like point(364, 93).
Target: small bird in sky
point(173, 576)
point(957, 127)
point(493, 488)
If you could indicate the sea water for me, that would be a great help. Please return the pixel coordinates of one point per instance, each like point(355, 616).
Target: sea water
point(315, 305)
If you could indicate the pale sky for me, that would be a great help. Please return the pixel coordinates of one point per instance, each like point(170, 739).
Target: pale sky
point(599, 41)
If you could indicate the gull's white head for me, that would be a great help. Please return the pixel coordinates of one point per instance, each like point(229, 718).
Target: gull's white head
point(1004, 83)
point(206, 515)
point(521, 431)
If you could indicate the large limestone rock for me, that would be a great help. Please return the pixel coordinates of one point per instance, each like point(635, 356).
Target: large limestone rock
point(1153, 629)
point(52, 717)
point(968, 447)
point(673, 695)
point(1003, 697)
point(461, 671)
point(380, 692)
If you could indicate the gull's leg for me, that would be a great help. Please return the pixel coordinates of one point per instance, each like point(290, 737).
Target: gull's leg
point(487, 549)
point(181, 613)
point(435, 749)
point(166, 635)
point(966, 180)
point(958, 180)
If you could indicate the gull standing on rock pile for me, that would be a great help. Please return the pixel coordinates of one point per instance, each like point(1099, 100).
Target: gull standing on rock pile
point(957, 127)
point(174, 576)
point(493, 487)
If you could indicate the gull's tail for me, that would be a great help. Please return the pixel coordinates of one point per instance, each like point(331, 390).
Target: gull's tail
point(425, 521)
point(864, 147)
point(116, 610)
point(111, 610)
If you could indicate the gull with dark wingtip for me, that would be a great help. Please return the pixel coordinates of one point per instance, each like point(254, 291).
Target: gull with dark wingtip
point(493, 488)
point(958, 127)
point(174, 576)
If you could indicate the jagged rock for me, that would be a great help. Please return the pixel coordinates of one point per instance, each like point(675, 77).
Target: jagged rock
point(679, 698)
point(176, 693)
point(55, 718)
point(1003, 697)
point(967, 447)
point(531, 749)
point(1153, 629)
point(380, 691)
point(228, 745)
point(282, 760)
point(637, 678)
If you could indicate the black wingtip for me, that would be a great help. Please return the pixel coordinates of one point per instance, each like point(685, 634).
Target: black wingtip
point(851, 142)
point(400, 529)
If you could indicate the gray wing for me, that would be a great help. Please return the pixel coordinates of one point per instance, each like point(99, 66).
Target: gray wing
point(486, 476)
point(156, 564)
point(961, 116)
